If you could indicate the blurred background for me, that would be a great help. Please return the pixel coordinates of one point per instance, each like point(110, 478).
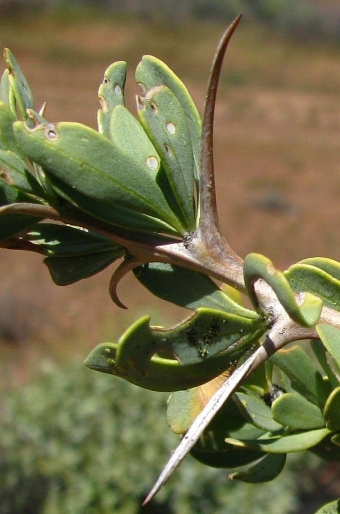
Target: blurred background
point(68, 440)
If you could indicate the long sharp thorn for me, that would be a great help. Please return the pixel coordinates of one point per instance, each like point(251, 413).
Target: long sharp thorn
point(209, 217)
point(200, 424)
point(207, 182)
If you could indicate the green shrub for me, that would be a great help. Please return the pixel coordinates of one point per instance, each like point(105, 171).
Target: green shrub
point(78, 442)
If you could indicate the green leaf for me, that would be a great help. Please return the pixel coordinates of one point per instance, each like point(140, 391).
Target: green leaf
point(306, 277)
point(14, 169)
point(257, 412)
point(6, 94)
point(128, 136)
point(264, 471)
point(330, 337)
point(166, 282)
point(303, 373)
point(166, 125)
point(12, 224)
point(205, 334)
point(328, 265)
point(230, 458)
point(98, 176)
point(133, 357)
point(7, 137)
point(321, 354)
point(306, 312)
point(332, 411)
point(111, 94)
point(295, 412)
point(259, 381)
point(65, 241)
point(151, 73)
point(284, 444)
point(19, 85)
point(68, 270)
point(330, 508)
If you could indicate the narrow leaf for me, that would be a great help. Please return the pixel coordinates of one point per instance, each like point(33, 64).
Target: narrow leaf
point(111, 94)
point(18, 83)
point(150, 73)
point(166, 125)
point(7, 137)
point(14, 170)
point(285, 444)
point(6, 94)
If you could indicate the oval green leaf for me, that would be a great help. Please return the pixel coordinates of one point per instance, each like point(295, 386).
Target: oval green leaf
point(296, 412)
point(257, 412)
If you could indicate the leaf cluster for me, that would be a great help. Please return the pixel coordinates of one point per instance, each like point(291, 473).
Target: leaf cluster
point(142, 191)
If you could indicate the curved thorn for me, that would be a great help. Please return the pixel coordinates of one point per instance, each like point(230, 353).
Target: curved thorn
point(209, 216)
point(128, 265)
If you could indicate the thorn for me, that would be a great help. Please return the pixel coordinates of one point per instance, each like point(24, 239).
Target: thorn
point(127, 265)
point(42, 109)
point(209, 215)
point(201, 422)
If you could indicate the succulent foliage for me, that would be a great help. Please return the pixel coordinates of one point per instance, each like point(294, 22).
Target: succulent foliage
point(141, 191)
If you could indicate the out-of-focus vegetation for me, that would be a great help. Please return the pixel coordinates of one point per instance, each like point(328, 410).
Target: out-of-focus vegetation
point(76, 442)
point(301, 18)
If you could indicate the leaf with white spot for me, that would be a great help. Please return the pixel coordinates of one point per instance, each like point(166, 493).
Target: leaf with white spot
point(166, 124)
point(111, 94)
point(22, 93)
point(99, 177)
point(152, 72)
